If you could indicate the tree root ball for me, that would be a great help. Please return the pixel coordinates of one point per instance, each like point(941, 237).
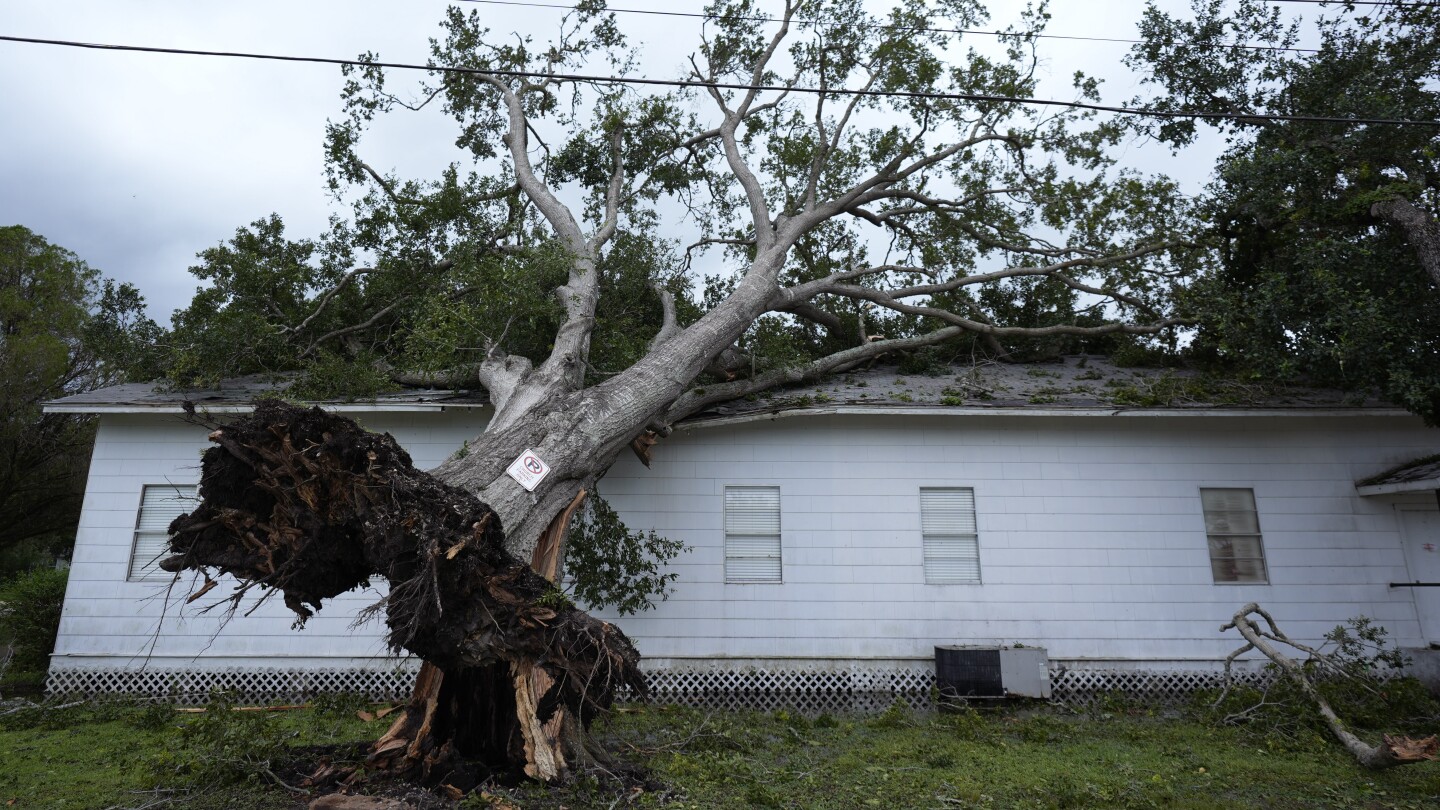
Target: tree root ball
point(308, 504)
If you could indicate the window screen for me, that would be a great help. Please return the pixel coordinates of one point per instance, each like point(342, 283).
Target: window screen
point(947, 528)
point(1237, 553)
point(159, 504)
point(752, 534)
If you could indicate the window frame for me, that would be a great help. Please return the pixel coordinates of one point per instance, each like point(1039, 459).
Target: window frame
point(138, 570)
point(727, 533)
point(1212, 538)
point(972, 537)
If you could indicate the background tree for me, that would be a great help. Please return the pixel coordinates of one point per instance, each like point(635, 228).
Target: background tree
point(63, 330)
point(862, 183)
point(1330, 260)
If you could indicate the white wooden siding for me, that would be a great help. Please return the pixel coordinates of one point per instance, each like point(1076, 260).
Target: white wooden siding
point(1092, 535)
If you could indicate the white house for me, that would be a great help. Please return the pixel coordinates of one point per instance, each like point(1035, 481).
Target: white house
point(838, 534)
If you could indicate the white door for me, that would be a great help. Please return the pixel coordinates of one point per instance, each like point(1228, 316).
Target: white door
point(1421, 530)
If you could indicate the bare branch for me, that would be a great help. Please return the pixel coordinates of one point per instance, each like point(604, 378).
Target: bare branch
point(515, 139)
point(928, 204)
point(812, 313)
point(691, 248)
point(669, 325)
point(329, 294)
point(347, 330)
point(878, 185)
point(754, 192)
point(444, 378)
point(612, 194)
point(699, 399)
point(884, 299)
point(833, 285)
point(1422, 232)
point(1056, 269)
point(387, 187)
point(826, 146)
point(580, 294)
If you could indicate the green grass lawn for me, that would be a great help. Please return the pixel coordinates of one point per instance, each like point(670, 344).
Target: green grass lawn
point(116, 756)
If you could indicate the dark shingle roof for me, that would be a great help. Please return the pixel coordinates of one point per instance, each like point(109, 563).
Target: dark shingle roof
point(237, 393)
point(1419, 475)
point(1077, 383)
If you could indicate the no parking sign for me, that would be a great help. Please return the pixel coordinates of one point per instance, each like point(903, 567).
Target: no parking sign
point(528, 470)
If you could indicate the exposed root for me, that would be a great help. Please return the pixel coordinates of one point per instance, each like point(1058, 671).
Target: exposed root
point(307, 503)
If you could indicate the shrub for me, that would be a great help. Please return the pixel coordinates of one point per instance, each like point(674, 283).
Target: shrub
point(30, 616)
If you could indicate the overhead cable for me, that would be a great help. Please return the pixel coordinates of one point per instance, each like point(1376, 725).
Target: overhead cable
point(879, 26)
point(1360, 3)
point(698, 83)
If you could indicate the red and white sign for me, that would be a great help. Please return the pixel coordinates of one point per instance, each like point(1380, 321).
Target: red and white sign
point(528, 470)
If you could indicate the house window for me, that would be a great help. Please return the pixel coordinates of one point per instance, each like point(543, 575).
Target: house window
point(159, 504)
point(1232, 527)
point(947, 529)
point(752, 534)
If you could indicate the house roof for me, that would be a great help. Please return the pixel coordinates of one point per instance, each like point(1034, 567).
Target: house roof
point(1077, 385)
point(235, 396)
point(1420, 475)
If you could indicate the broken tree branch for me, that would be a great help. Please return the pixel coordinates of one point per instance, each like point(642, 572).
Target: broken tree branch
point(1392, 751)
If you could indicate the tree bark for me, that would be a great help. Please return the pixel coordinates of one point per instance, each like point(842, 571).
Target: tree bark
point(1421, 231)
point(308, 504)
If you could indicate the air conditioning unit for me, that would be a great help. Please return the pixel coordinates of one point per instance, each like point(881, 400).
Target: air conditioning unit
point(963, 672)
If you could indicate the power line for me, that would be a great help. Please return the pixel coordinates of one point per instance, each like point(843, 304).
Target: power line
point(1360, 3)
point(909, 28)
point(696, 83)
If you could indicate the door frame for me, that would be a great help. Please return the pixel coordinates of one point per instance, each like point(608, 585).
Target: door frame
point(1410, 564)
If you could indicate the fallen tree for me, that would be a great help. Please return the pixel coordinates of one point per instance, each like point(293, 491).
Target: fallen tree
point(308, 505)
point(797, 150)
point(1392, 751)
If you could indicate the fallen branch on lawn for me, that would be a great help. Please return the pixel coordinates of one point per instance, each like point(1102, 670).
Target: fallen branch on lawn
point(1391, 752)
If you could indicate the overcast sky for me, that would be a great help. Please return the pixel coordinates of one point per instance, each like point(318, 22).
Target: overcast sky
point(137, 161)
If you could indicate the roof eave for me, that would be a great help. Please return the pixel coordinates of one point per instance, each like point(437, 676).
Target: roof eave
point(336, 407)
point(60, 406)
point(1400, 487)
point(1038, 412)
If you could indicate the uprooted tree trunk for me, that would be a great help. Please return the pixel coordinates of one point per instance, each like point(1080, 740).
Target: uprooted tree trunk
point(1392, 750)
point(309, 505)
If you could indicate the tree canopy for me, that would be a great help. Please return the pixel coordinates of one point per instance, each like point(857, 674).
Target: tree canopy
point(907, 210)
point(63, 330)
point(1329, 245)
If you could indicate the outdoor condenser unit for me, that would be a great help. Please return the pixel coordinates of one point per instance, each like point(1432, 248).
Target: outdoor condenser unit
point(992, 672)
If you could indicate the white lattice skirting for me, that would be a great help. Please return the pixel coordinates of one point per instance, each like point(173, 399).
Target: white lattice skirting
point(857, 689)
point(1079, 686)
point(249, 685)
